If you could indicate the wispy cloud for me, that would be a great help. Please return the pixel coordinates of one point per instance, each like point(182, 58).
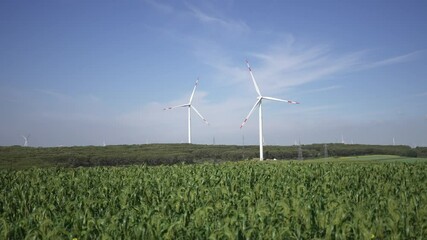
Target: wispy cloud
point(318, 109)
point(289, 64)
point(163, 7)
point(423, 94)
point(227, 23)
point(282, 65)
point(395, 60)
point(54, 94)
point(324, 89)
point(58, 96)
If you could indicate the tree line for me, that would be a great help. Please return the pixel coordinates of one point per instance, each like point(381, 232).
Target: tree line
point(166, 154)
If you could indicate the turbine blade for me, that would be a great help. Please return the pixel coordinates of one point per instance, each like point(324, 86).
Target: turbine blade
point(253, 79)
point(257, 103)
point(281, 100)
point(182, 105)
point(200, 115)
point(194, 90)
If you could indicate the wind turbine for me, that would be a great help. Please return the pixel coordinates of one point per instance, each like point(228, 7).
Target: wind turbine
point(26, 140)
point(190, 106)
point(258, 104)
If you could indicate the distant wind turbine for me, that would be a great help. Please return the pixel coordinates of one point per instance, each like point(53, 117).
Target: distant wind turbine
point(26, 140)
point(300, 157)
point(190, 106)
point(258, 104)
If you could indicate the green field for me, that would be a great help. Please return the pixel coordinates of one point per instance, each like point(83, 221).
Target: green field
point(370, 197)
point(369, 159)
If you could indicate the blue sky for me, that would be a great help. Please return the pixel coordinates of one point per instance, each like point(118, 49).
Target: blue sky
point(83, 72)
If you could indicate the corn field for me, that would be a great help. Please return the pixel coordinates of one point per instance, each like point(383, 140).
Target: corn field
point(243, 200)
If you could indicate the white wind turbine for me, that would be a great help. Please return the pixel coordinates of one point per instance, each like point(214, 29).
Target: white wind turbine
point(258, 104)
point(190, 106)
point(26, 140)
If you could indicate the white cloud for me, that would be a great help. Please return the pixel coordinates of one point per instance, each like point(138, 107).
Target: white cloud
point(67, 98)
point(163, 7)
point(226, 23)
point(423, 94)
point(397, 59)
point(281, 66)
point(323, 89)
point(289, 64)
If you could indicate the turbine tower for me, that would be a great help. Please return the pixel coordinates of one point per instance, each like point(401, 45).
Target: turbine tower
point(190, 106)
point(26, 140)
point(300, 157)
point(325, 150)
point(258, 104)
